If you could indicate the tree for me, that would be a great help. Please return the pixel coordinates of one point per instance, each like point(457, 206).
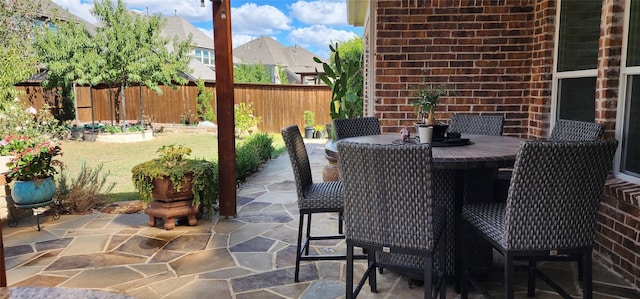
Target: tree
point(126, 50)
point(251, 73)
point(135, 52)
point(17, 58)
point(71, 55)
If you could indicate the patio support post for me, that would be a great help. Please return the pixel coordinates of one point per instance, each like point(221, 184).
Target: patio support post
point(225, 101)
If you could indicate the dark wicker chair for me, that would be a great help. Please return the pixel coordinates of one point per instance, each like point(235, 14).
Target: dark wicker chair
point(551, 210)
point(573, 130)
point(313, 197)
point(353, 127)
point(390, 209)
point(564, 130)
point(476, 124)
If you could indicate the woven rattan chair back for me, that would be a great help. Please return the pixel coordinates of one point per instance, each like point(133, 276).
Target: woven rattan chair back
point(476, 124)
point(389, 207)
point(573, 130)
point(554, 194)
point(381, 184)
point(353, 127)
point(299, 158)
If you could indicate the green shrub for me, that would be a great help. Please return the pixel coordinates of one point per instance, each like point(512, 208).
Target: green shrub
point(203, 102)
point(88, 191)
point(16, 119)
point(251, 153)
point(112, 129)
point(246, 123)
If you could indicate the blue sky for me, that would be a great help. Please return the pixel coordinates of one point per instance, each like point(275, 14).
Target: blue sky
point(311, 24)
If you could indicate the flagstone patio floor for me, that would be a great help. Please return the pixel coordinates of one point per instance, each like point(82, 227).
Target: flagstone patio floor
point(249, 256)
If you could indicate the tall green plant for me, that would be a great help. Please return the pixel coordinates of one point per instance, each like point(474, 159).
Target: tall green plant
point(346, 98)
point(245, 121)
point(203, 102)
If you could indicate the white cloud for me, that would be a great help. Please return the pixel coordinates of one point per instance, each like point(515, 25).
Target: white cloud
point(319, 37)
point(320, 12)
point(252, 19)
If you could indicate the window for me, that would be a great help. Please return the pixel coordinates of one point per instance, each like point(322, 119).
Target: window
point(630, 122)
point(576, 98)
point(577, 59)
point(199, 55)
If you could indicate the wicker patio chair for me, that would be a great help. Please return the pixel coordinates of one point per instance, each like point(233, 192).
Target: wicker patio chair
point(551, 210)
point(476, 124)
point(325, 197)
point(573, 130)
point(564, 130)
point(353, 127)
point(390, 208)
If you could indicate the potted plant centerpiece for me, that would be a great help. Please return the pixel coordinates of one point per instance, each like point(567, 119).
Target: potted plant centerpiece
point(425, 107)
point(31, 169)
point(173, 181)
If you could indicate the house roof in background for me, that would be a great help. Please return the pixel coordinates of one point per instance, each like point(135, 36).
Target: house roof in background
point(178, 26)
point(266, 50)
point(50, 10)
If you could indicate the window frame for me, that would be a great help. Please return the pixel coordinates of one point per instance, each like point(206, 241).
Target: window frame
point(623, 97)
point(557, 76)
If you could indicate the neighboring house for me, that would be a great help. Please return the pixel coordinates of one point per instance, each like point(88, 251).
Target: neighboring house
point(531, 61)
point(52, 11)
point(203, 63)
point(270, 53)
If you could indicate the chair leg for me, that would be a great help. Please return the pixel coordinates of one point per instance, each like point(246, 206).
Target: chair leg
point(349, 278)
point(508, 276)
point(587, 279)
point(299, 249)
point(531, 278)
point(340, 223)
point(373, 282)
point(428, 273)
point(306, 249)
point(464, 287)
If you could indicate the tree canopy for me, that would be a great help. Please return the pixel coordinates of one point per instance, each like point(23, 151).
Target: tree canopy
point(17, 59)
point(127, 49)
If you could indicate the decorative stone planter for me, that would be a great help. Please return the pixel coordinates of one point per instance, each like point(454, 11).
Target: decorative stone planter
point(169, 203)
point(164, 190)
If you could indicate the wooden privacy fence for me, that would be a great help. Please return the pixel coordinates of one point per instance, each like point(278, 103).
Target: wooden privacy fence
point(276, 105)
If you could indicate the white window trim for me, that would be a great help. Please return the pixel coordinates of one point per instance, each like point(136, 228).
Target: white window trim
point(625, 72)
point(557, 76)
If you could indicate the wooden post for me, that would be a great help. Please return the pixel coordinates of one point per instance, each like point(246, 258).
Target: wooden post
point(225, 101)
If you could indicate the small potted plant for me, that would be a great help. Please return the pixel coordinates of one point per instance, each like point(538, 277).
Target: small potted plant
point(172, 176)
point(425, 107)
point(309, 123)
point(31, 169)
point(319, 131)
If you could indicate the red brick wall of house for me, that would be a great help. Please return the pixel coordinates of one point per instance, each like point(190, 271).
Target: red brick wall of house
point(495, 55)
point(498, 58)
point(618, 231)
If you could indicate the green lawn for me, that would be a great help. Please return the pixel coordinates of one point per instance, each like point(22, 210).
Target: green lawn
point(119, 158)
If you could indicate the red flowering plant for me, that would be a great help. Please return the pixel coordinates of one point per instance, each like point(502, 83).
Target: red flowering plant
point(32, 160)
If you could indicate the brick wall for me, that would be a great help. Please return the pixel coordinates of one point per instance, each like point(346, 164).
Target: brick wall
point(493, 55)
point(618, 231)
point(498, 58)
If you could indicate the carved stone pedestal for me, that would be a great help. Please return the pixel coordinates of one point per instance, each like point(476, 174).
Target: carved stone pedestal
point(169, 211)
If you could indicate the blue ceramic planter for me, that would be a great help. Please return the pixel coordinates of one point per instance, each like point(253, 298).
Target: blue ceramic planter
point(33, 192)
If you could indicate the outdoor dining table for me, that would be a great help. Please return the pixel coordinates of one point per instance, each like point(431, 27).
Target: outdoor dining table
point(456, 167)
